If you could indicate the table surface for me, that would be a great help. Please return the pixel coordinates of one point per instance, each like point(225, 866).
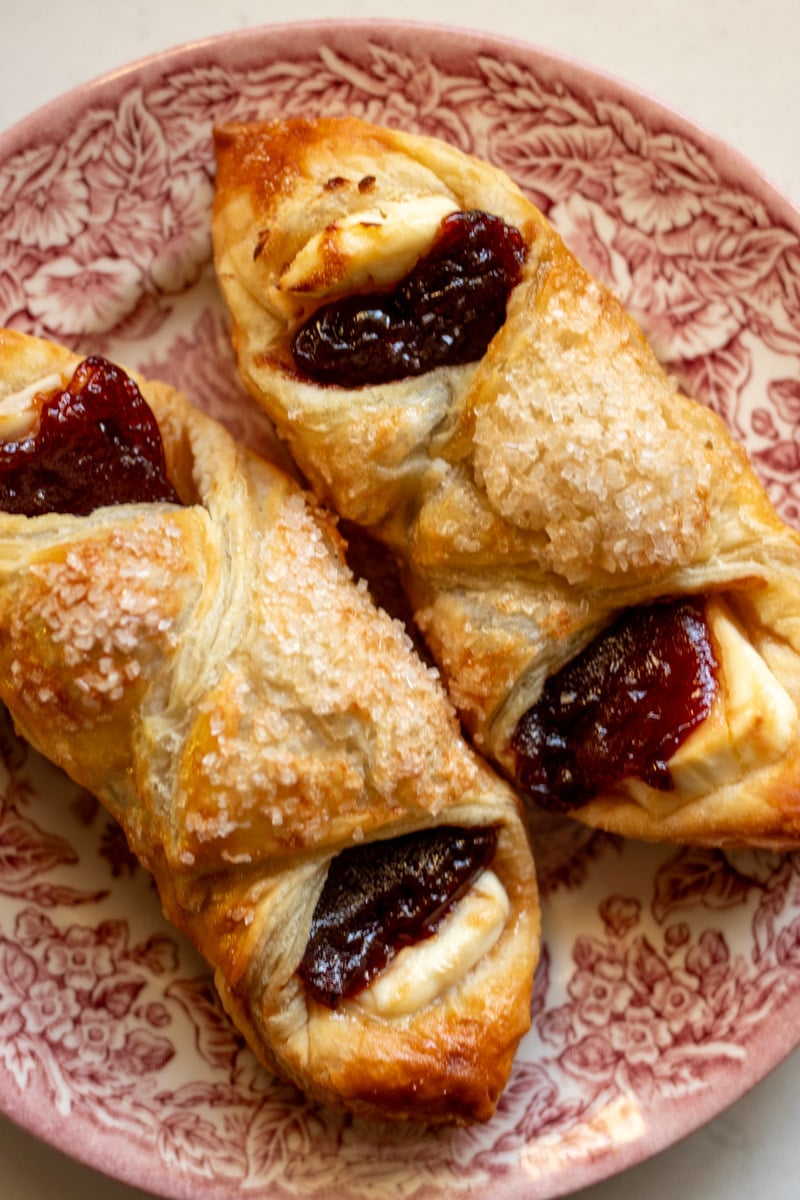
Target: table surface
point(728, 65)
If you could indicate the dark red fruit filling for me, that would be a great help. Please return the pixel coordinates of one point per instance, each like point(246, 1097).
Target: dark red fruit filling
point(621, 709)
point(444, 312)
point(383, 896)
point(97, 442)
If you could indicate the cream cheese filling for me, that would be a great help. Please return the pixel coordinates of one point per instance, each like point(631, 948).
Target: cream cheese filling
point(18, 413)
point(752, 723)
point(419, 974)
point(369, 248)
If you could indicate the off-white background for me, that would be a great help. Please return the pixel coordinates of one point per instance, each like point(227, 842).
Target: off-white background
point(733, 67)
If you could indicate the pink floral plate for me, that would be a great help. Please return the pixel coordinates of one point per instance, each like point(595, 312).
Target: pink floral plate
point(670, 978)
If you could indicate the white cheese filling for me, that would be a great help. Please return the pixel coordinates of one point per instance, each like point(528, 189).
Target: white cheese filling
point(752, 723)
point(18, 414)
point(421, 973)
point(373, 247)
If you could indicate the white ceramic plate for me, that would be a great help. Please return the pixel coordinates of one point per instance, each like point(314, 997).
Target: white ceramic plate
point(670, 979)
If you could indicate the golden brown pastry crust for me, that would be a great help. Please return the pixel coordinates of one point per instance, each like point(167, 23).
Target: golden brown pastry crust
point(531, 495)
point(216, 677)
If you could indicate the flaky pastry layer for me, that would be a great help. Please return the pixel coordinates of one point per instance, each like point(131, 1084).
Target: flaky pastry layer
point(214, 674)
point(530, 496)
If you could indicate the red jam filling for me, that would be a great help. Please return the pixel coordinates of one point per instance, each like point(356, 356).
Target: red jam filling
point(96, 443)
point(620, 709)
point(381, 897)
point(444, 312)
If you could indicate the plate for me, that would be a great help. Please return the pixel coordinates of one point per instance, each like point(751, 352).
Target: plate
point(670, 978)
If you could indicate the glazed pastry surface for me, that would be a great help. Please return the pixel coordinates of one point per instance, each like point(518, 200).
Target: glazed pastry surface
point(213, 673)
point(531, 495)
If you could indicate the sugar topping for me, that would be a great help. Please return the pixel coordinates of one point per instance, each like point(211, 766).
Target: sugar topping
point(102, 622)
point(577, 444)
point(344, 708)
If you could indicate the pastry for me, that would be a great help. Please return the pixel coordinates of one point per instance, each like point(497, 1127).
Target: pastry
point(573, 532)
point(179, 632)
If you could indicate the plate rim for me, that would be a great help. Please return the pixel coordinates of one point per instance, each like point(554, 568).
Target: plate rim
point(740, 167)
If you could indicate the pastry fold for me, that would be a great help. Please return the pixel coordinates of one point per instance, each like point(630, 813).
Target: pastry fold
point(532, 495)
point(213, 673)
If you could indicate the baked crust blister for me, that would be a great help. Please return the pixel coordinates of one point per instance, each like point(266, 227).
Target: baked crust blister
point(532, 495)
point(212, 672)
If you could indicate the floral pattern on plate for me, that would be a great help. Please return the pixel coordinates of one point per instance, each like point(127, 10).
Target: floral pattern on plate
point(670, 978)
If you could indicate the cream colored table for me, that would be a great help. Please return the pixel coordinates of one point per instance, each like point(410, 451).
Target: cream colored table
point(729, 65)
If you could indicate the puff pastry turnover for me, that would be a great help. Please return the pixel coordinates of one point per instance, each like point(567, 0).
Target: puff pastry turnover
point(608, 591)
point(202, 660)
